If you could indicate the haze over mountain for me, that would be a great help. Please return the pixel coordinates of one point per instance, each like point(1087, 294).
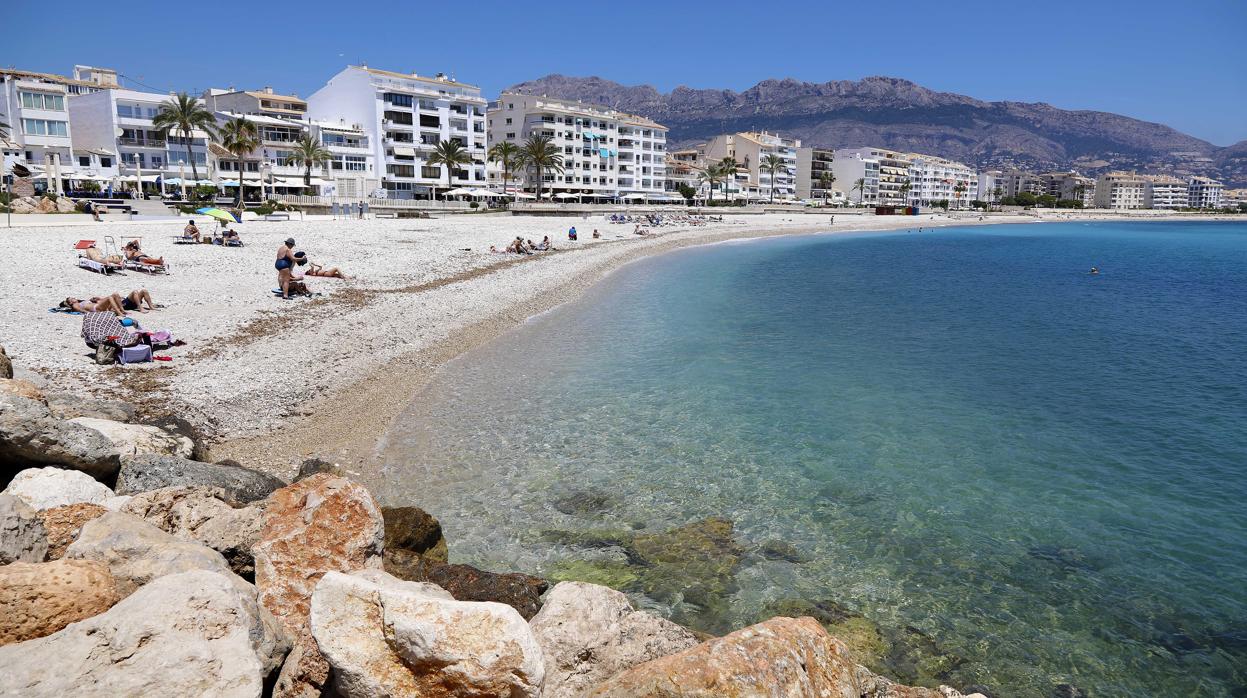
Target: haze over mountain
point(901, 115)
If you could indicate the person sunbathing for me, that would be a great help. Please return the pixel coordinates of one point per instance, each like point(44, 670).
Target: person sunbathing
point(229, 236)
point(191, 231)
point(93, 253)
point(135, 254)
point(136, 299)
point(314, 269)
point(98, 304)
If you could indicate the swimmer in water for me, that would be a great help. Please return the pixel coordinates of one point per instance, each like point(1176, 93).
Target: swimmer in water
point(1095, 270)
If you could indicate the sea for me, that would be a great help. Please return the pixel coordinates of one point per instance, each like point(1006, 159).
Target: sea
point(983, 464)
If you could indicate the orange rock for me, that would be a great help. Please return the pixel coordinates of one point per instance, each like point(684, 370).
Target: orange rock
point(22, 388)
point(64, 523)
point(38, 599)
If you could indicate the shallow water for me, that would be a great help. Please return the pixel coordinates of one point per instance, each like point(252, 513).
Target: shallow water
point(961, 432)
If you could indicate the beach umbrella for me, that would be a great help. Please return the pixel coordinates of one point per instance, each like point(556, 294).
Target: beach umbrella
point(218, 213)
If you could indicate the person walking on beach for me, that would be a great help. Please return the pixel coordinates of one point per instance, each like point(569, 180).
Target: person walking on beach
point(571, 234)
point(284, 263)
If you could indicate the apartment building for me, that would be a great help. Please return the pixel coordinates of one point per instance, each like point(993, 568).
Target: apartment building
point(986, 187)
point(1234, 198)
point(352, 164)
point(750, 150)
point(858, 175)
point(401, 118)
point(606, 153)
point(1069, 186)
point(894, 183)
point(1010, 183)
point(1120, 190)
point(262, 102)
point(1164, 192)
point(935, 179)
point(1203, 192)
point(815, 177)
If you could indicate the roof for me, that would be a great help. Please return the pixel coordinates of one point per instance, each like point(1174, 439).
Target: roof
point(261, 119)
point(52, 77)
point(274, 95)
point(413, 76)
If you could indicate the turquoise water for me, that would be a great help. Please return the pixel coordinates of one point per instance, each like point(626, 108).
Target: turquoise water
point(964, 435)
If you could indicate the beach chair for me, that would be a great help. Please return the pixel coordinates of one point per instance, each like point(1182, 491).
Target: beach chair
point(135, 264)
point(89, 264)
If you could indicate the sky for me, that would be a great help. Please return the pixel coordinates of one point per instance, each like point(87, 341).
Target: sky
point(1178, 62)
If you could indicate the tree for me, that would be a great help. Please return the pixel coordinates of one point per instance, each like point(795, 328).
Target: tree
point(239, 137)
point(451, 154)
point(904, 192)
point(540, 154)
point(997, 192)
point(185, 114)
point(711, 175)
point(506, 154)
point(860, 187)
point(959, 189)
point(773, 164)
point(1025, 198)
point(825, 180)
point(689, 193)
point(307, 153)
point(1046, 201)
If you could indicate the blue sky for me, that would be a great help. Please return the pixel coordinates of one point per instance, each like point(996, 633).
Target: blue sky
point(1182, 63)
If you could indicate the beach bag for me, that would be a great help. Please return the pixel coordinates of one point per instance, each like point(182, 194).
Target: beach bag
point(138, 353)
point(105, 354)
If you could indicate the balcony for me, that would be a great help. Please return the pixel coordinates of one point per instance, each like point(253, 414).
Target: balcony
point(142, 142)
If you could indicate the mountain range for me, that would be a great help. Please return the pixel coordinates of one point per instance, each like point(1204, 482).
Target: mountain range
point(901, 115)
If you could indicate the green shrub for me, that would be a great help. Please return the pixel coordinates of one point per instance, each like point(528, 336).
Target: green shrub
point(474, 204)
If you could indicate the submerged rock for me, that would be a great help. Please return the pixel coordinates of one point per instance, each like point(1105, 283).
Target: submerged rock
point(466, 583)
point(583, 502)
point(608, 573)
point(781, 551)
point(415, 530)
point(695, 563)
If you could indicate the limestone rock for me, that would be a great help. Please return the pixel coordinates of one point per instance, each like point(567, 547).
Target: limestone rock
point(63, 524)
point(138, 439)
point(44, 488)
point(22, 535)
point(137, 552)
point(414, 529)
point(30, 435)
point(311, 466)
point(21, 388)
point(305, 673)
point(197, 633)
point(383, 636)
point(589, 633)
point(70, 405)
point(466, 583)
point(201, 514)
point(64, 204)
point(45, 205)
point(6, 364)
point(781, 657)
point(152, 472)
point(38, 599)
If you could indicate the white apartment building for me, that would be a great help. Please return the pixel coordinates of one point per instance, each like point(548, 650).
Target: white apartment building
point(986, 186)
point(1234, 198)
point(606, 153)
point(352, 165)
point(1120, 190)
point(750, 150)
point(815, 176)
point(850, 167)
point(264, 102)
point(401, 118)
point(894, 183)
point(935, 179)
point(1010, 183)
point(1069, 186)
point(1203, 192)
point(1164, 192)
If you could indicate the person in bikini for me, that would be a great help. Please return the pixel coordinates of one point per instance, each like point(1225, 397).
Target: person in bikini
point(314, 269)
point(93, 253)
point(113, 303)
point(135, 254)
point(285, 262)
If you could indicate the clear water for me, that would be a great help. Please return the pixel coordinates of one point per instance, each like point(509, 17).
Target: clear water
point(962, 432)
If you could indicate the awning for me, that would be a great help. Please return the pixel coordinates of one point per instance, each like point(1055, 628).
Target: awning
point(566, 196)
point(590, 134)
point(634, 196)
point(459, 192)
point(405, 152)
point(604, 152)
point(98, 151)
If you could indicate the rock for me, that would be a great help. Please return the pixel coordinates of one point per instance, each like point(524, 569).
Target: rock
point(178, 426)
point(21, 388)
point(45, 205)
point(695, 563)
point(24, 205)
point(152, 472)
point(781, 657)
point(782, 551)
point(201, 514)
point(6, 364)
point(137, 552)
point(318, 525)
point(589, 633)
point(466, 583)
point(30, 435)
point(414, 529)
point(69, 405)
point(22, 535)
point(387, 637)
point(195, 633)
point(311, 466)
point(64, 523)
point(137, 439)
point(38, 599)
point(65, 204)
point(44, 488)
point(1068, 690)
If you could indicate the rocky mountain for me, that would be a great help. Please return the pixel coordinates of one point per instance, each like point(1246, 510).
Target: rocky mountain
point(901, 115)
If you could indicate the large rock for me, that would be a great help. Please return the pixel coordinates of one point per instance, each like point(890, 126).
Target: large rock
point(69, 405)
point(130, 440)
point(21, 388)
point(6, 364)
point(386, 637)
point(22, 535)
point(29, 434)
point(201, 514)
point(152, 472)
point(64, 523)
point(64, 204)
point(466, 583)
point(781, 657)
point(44, 488)
point(414, 529)
point(589, 633)
point(196, 633)
point(315, 526)
point(137, 552)
point(45, 205)
point(38, 599)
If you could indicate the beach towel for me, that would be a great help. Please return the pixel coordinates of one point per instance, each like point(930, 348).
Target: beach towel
point(62, 309)
point(106, 328)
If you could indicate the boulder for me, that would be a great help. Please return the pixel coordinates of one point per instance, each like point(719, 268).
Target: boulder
point(23, 205)
point(45, 205)
point(137, 552)
point(152, 472)
point(21, 388)
point(466, 583)
point(311, 466)
point(197, 633)
point(318, 525)
point(137, 439)
point(30, 435)
point(65, 204)
point(40, 598)
point(69, 405)
point(44, 488)
point(6, 364)
point(414, 529)
point(178, 426)
point(22, 535)
point(64, 523)
point(589, 633)
point(384, 636)
point(201, 514)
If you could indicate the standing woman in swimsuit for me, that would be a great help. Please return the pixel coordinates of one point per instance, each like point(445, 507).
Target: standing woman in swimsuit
point(285, 261)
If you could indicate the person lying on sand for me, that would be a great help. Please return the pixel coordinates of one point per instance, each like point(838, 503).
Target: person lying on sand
point(93, 253)
point(230, 236)
point(314, 269)
point(112, 303)
point(135, 254)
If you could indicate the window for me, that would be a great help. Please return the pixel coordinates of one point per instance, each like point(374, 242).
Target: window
point(129, 111)
point(401, 170)
point(44, 127)
point(511, 136)
point(84, 160)
point(158, 161)
point(398, 100)
point(106, 162)
point(429, 121)
point(174, 157)
point(432, 172)
point(508, 121)
point(350, 163)
point(39, 100)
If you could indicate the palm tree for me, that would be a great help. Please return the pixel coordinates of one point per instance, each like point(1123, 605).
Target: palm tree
point(4, 130)
point(904, 190)
point(540, 154)
point(711, 175)
point(825, 180)
point(959, 189)
point(860, 187)
point(450, 153)
point(506, 154)
point(307, 153)
point(185, 114)
point(996, 193)
point(773, 164)
point(240, 137)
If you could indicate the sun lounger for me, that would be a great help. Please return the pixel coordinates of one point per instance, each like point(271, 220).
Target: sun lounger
point(136, 265)
point(89, 264)
point(184, 240)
